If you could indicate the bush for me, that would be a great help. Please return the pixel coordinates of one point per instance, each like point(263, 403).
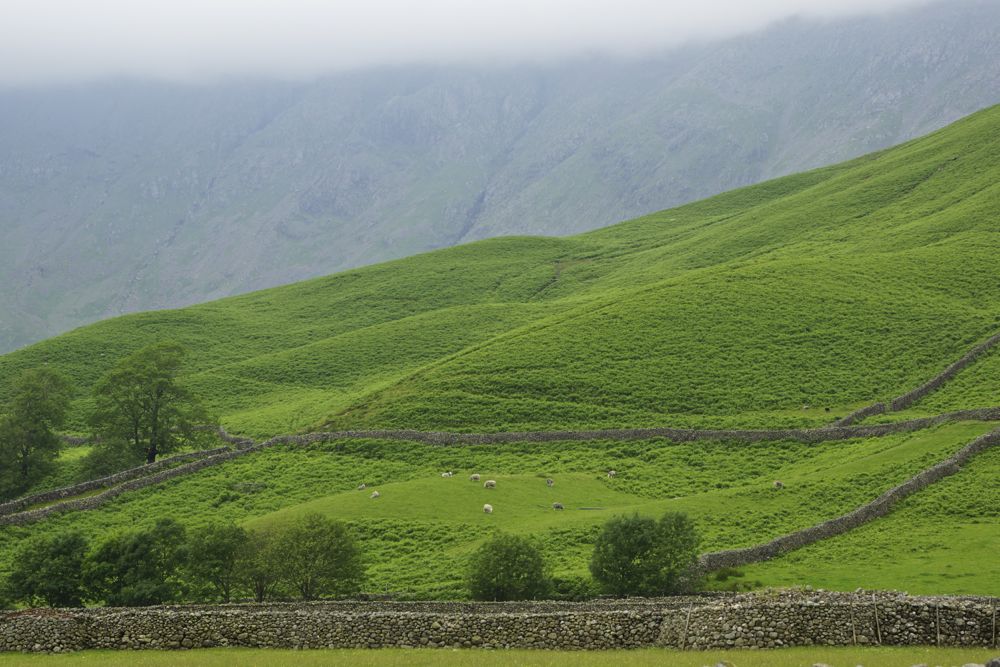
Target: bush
point(639, 556)
point(107, 458)
point(319, 557)
point(47, 570)
point(137, 568)
point(507, 567)
point(575, 589)
point(259, 565)
point(212, 556)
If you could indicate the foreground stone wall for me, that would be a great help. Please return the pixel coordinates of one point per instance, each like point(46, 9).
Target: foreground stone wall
point(747, 620)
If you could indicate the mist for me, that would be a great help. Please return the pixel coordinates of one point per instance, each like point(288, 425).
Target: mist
point(67, 41)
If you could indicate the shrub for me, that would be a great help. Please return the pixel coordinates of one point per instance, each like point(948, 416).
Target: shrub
point(639, 556)
point(212, 556)
point(507, 567)
point(137, 568)
point(259, 565)
point(575, 589)
point(320, 557)
point(47, 570)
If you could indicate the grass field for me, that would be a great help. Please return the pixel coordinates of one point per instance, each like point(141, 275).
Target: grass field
point(794, 657)
point(419, 533)
point(787, 303)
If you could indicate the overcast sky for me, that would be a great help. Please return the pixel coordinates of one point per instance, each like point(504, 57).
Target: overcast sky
point(43, 41)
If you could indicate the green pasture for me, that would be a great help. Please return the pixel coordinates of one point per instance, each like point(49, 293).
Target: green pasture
point(418, 534)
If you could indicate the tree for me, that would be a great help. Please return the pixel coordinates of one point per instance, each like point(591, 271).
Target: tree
point(639, 556)
point(28, 441)
point(260, 563)
point(137, 568)
point(141, 403)
point(320, 557)
point(507, 567)
point(47, 569)
point(213, 553)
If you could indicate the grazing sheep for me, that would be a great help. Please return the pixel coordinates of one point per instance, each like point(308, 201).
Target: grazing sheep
point(447, 474)
point(488, 508)
point(375, 494)
point(362, 486)
point(805, 406)
point(778, 485)
point(550, 482)
point(490, 484)
point(611, 473)
point(474, 477)
point(557, 506)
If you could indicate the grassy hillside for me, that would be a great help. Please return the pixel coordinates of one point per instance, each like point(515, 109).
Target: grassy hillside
point(827, 289)
point(419, 533)
point(761, 307)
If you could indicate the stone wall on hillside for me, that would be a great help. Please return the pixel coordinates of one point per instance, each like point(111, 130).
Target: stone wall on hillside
point(449, 439)
point(909, 398)
point(747, 620)
point(19, 504)
point(847, 522)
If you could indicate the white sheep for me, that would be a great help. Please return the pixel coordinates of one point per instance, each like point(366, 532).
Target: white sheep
point(488, 508)
point(611, 474)
point(375, 494)
point(447, 474)
point(557, 506)
point(474, 477)
point(778, 485)
point(550, 482)
point(362, 486)
point(490, 484)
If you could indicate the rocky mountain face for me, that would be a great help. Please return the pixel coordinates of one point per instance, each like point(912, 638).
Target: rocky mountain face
point(124, 196)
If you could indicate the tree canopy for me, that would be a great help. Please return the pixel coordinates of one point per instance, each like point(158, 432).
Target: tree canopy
point(141, 403)
point(507, 567)
point(28, 441)
point(637, 555)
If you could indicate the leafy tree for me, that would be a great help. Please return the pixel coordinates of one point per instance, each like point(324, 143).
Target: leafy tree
point(137, 568)
point(47, 569)
point(320, 557)
point(141, 403)
point(260, 563)
point(507, 567)
point(639, 556)
point(213, 554)
point(28, 441)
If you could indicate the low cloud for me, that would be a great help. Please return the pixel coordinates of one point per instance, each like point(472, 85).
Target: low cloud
point(45, 41)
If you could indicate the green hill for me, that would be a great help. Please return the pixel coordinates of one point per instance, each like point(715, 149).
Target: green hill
point(760, 307)
point(827, 289)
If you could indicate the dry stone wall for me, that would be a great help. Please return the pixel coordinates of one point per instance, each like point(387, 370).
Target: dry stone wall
point(847, 522)
point(747, 620)
point(449, 439)
point(19, 504)
point(932, 385)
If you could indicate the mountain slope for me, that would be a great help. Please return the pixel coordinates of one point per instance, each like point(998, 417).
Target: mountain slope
point(128, 196)
point(830, 288)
